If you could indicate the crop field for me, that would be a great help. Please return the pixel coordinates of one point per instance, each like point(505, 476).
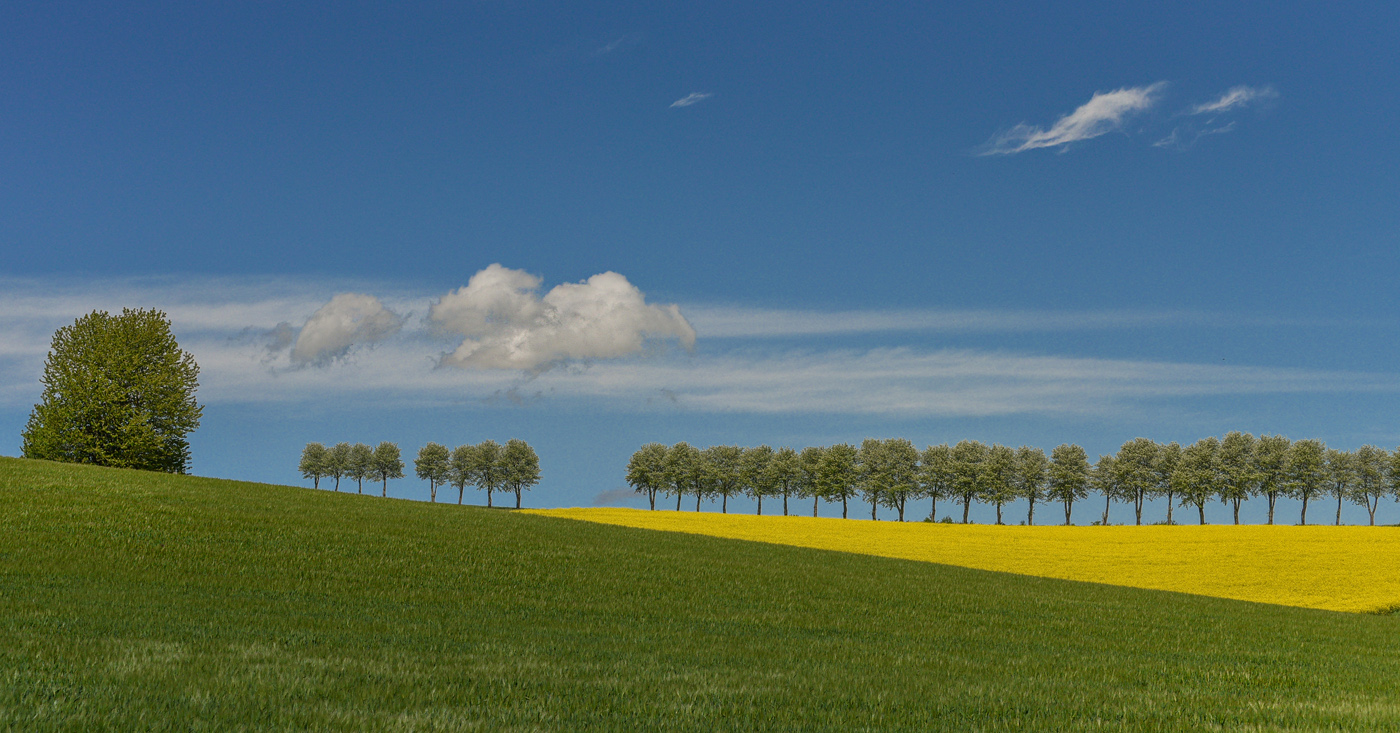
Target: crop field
point(139, 601)
point(1333, 568)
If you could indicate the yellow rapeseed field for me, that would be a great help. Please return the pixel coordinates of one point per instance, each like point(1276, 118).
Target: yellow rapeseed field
point(1333, 568)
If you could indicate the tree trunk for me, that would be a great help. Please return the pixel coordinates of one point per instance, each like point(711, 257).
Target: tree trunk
point(488, 497)
point(1137, 506)
point(724, 504)
point(697, 502)
point(460, 490)
point(967, 504)
point(432, 491)
point(1237, 512)
point(1372, 509)
point(785, 504)
point(517, 497)
point(385, 493)
point(1303, 520)
point(1068, 505)
point(1030, 513)
point(1339, 509)
point(998, 513)
point(359, 486)
point(315, 482)
point(1107, 502)
point(872, 510)
point(1201, 507)
point(843, 507)
point(1272, 498)
point(337, 483)
point(933, 510)
point(679, 496)
point(815, 500)
point(652, 496)
point(900, 506)
point(760, 505)
point(1169, 508)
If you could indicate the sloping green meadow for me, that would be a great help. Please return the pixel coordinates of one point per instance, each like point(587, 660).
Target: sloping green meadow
point(144, 601)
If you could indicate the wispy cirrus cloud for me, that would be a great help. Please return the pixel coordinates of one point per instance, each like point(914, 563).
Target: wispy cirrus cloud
point(1234, 98)
point(1102, 114)
point(692, 98)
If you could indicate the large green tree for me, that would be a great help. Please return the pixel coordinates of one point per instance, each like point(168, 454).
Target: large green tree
point(1168, 456)
point(434, 465)
point(684, 472)
point(462, 469)
point(1103, 478)
point(119, 392)
point(809, 477)
point(520, 467)
point(486, 468)
point(889, 473)
point(1069, 476)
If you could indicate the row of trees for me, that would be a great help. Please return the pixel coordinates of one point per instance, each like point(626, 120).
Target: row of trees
point(893, 472)
point(358, 462)
point(487, 465)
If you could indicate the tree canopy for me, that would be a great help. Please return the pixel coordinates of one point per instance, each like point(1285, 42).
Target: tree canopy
point(118, 392)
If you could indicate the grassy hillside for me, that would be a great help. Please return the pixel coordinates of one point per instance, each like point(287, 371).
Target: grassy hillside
point(132, 600)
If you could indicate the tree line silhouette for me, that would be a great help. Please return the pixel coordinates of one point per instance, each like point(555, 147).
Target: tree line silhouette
point(891, 473)
point(488, 466)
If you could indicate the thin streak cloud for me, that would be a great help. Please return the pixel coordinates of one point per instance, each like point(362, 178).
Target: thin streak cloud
point(692, 98)
point(1235, 98)
point(1102, 114)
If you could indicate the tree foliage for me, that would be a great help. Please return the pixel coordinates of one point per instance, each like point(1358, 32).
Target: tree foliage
point(119, 392)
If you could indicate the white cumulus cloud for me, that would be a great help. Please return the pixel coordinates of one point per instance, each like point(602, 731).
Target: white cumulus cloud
point(349, 319)
point(507, 325)
point(1103, 113)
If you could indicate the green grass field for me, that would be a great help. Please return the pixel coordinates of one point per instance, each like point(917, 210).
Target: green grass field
point(145, 601)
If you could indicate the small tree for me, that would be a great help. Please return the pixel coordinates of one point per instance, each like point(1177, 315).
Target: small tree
point(313, 463)
point(1306, 471)
point(754, 475)
point(387, 464)
point(724, 472)
point(338, 462)
point(360, 465)
point(1369, 465)
point(999, 477)
point(683, 472)
point(1393, 474)
point(809, 479)
point(870, 460)
point(520, 467)
point(434, 465)
point(901, 471)
point(1168, 456)
point(839, 474)
point(119, 392)
point(1137, 472)
point(1197, 476)
point(1069, 476)
point(486, 467)
point(462, 469)
point(968, 475)
point(1032, 471)
point(936, 475)
point(1341, 477)
point(1239, 471)
point(785, 473)
point(1270, 466)
point(646, 472)
point(1103, 478)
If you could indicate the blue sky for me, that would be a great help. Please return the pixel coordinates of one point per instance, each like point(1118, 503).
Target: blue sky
point(1081, 223)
